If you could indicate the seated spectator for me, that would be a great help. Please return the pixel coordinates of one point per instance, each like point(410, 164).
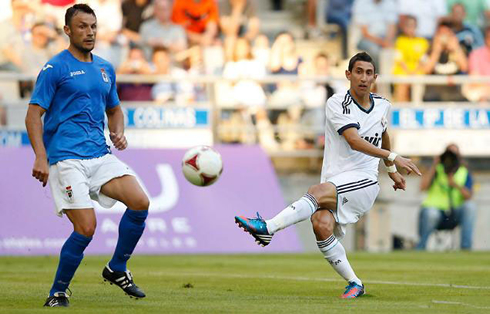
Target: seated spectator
point(135, 64)
point(479, 64)
point(469, 36)
point(12, 33)
point(246, 94)
point(448, 204)
point(427, 12)
point(410, 51)
point(135, 12)
point(314, 97)
point(160, 32)
point(199, 18)
point(243, 68)
point(40, 49)
point(377, 20)
point(261, 50)
point(284, 57)
point(446, 57)
point(238, 18)
point(477, 11)
point(182, 92)
point(339, 12)
point(109, 24)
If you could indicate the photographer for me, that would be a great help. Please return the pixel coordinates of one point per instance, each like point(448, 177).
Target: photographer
point(449, 190)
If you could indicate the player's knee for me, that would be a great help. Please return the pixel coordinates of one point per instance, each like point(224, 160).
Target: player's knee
point(87, 230)
point(324, 193)
point(322, 223)
point(140, 203)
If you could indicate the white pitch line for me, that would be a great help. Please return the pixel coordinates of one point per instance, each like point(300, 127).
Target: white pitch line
point(460, 303)
point(380, 282)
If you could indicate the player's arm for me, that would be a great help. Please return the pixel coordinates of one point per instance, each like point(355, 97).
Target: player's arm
point(34, 126)
point(399, 181)
point(115, 118)
point(358, 143)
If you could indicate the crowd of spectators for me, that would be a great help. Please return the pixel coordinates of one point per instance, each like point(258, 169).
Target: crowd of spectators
point(182, 38)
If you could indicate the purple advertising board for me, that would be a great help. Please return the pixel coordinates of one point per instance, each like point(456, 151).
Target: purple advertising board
point(183, 218)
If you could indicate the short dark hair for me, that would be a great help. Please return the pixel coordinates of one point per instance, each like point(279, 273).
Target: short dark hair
point(72, 11)
point(361, 56)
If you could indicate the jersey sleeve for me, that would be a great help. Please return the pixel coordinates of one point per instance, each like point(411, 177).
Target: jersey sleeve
point(46, 85)
point(340, 115)
point(386, 115)
point(112, 97)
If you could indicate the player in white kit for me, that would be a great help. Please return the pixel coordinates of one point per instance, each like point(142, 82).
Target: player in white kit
point(356, 138)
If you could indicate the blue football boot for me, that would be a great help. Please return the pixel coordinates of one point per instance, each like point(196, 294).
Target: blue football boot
point(256, 227)
point(353, 290)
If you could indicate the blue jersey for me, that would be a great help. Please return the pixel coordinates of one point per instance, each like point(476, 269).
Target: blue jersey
point(75, 95)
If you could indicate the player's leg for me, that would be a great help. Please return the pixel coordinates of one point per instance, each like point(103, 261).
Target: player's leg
point(429, 219)
point(323, 226)
point(71, 255)
point(127, 190)
point(68, 183)
point(302, 209)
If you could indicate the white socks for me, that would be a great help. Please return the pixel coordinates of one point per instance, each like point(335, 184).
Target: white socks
point(298, 211)
point(334, 253)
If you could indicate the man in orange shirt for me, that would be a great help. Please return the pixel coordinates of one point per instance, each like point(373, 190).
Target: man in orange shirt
point(199, 18)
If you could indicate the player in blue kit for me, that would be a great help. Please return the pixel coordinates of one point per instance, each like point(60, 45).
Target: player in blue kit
point(73, 91)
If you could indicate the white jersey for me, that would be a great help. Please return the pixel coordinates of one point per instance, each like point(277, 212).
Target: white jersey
point(344, 112)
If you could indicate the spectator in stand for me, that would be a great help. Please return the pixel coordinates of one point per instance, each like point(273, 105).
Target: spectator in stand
point(181, 92)
point(469, 36)
point(477, 11)
point(12, 36)
point(377, 19)
point(199, 18)
point(410, 52)
point(135, 12)
point(261, 50)
point(160, 32)
point(238, 18)
point(42, 47)
point(427, 12)
point(339, 12)
point(109, 24)
point(479, 64)
point(446, 57)
point(135, 64)
point(314, 97)
point(242, 91)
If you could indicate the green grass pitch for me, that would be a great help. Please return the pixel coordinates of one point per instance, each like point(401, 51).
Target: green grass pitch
point(404, 282)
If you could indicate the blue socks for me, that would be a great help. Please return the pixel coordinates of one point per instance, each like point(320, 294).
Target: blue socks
point(131, 228)
point(70, 257)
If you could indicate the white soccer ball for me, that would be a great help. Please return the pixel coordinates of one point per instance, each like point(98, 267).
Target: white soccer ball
point(202, 165)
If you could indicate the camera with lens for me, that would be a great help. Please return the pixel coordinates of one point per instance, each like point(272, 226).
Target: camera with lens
point(450, 161)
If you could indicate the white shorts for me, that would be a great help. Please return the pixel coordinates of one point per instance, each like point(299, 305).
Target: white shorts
point(356, 193)
point(76, 182)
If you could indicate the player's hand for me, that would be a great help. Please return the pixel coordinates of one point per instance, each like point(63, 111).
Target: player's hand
point(119, 140)
point(40, 170)
point(407, 165)
point(399, 181)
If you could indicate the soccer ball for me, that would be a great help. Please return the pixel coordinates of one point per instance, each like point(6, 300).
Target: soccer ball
point(202, 165)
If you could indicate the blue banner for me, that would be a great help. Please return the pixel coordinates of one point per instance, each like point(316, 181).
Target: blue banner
point(13, 138)
point(440, 118)
point(165, 118)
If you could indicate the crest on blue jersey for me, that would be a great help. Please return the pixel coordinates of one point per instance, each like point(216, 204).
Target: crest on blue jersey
point(104, 76)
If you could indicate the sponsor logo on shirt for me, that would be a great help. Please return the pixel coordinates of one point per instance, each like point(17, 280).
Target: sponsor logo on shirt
point(74, 73)
point(47, 66)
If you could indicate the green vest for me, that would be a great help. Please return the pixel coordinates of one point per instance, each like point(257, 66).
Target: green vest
point(440, 194)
